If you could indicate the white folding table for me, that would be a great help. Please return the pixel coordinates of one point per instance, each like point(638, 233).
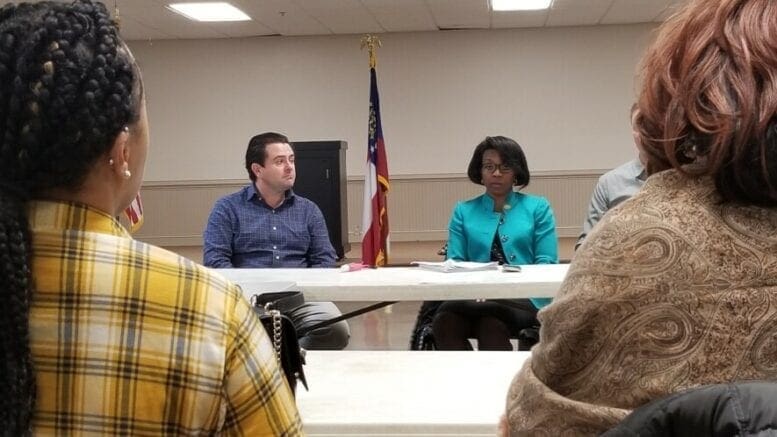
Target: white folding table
point(403, 283)
point(388, 285)
point(404, 393)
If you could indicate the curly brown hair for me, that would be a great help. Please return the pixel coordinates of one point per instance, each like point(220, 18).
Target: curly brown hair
point(709, 96)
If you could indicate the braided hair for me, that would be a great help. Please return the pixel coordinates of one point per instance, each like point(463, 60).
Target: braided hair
point(68, 86)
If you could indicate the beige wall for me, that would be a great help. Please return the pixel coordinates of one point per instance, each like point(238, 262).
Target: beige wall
point(563, 93)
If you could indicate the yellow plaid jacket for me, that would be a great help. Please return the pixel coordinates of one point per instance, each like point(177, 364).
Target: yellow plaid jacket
point(130, 339)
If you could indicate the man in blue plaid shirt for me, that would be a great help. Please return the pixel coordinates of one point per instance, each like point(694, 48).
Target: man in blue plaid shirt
point(266, 225)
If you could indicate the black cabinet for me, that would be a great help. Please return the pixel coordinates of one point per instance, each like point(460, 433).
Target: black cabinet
point(321, 177)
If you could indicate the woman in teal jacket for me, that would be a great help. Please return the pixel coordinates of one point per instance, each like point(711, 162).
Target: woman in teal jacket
point(501, 225)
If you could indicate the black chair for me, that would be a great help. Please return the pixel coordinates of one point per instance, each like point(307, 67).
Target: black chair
point(422, 339)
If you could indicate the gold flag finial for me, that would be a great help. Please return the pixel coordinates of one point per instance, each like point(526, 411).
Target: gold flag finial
point(371, 42)
point(116, 17)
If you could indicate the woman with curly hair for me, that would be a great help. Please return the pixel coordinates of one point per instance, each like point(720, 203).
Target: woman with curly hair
point(677, 287)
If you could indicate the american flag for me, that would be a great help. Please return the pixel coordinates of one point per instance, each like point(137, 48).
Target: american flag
point(134, 213)
point(375, 226)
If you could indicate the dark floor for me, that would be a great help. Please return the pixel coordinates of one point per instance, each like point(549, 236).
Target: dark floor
point(383, 329)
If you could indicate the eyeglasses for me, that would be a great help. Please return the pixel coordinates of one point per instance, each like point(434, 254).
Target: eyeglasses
point(503, 168)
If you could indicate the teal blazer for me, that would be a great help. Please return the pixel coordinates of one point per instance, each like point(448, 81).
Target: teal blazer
point(527, 231)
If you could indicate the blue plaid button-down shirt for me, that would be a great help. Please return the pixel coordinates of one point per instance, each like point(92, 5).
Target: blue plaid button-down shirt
point(243, 231)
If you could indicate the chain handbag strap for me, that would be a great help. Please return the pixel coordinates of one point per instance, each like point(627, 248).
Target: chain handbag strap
point(276, 330)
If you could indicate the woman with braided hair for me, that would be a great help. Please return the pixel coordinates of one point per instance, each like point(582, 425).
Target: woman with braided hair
point(99, 333)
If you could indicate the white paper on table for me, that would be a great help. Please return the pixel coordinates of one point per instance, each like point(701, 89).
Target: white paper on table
point(451, 266)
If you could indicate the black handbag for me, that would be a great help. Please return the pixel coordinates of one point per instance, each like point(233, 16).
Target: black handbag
point(283, 334)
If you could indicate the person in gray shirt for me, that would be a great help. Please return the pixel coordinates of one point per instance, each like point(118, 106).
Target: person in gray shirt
point(614, 187)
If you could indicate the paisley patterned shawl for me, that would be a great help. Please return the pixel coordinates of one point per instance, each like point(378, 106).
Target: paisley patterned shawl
point(672, 290)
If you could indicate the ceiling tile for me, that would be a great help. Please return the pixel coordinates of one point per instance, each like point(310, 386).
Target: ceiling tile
point(460, 14)
point(238, 29)
point(132, 30)
point(671, 9)
point(577, 13)
point(341, 16)
point(634, 11)
point(284, 17)
point(401, 15)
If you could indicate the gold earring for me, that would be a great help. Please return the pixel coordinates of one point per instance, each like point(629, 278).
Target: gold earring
point(127, 173)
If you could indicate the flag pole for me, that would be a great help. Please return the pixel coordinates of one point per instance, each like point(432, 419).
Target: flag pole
point(375, 227)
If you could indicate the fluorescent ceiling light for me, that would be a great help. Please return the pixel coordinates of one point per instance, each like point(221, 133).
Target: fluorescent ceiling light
point(520, 5)
point(213, 11)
